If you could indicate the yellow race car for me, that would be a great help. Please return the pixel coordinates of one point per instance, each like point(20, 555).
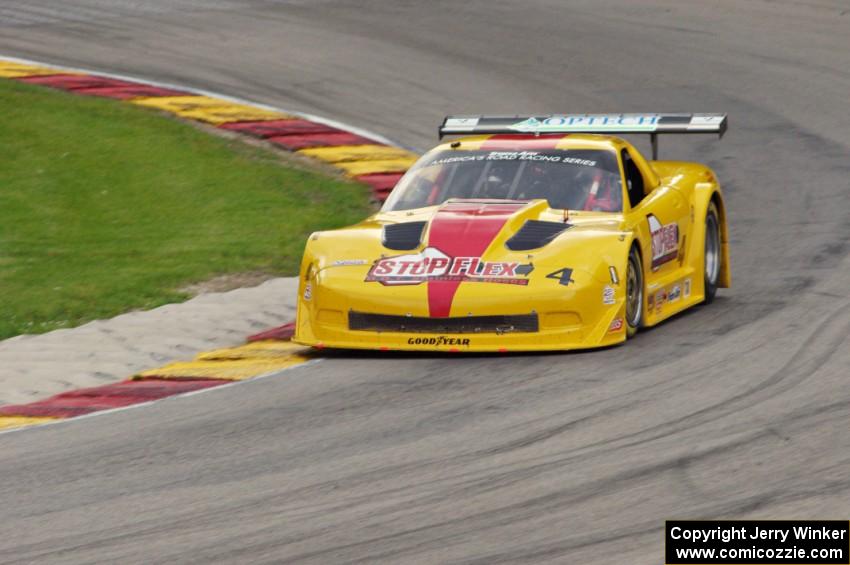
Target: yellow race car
point(530, 233)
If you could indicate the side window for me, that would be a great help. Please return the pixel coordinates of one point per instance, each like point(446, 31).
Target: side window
point(634, 180)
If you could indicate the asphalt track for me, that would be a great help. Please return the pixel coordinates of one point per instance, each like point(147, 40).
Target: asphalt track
point(739, 409)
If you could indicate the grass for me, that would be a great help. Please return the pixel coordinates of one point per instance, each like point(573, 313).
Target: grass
point(106, 207)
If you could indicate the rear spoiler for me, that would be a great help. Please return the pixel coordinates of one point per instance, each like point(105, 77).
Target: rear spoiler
point(652, 124)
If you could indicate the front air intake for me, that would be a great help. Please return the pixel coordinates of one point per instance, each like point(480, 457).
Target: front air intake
point(404, 236)
point(460, 325)
point(535, 234)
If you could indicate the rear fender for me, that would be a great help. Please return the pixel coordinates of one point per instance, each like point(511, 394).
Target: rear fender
point(704, 194)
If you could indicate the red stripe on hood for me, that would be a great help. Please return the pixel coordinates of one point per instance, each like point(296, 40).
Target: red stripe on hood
point(463, 229)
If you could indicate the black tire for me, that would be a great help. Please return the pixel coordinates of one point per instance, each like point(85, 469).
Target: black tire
point(634, 293)
point(712, 253)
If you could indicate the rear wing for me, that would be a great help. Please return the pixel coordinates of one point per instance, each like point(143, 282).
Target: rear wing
point(651, 124)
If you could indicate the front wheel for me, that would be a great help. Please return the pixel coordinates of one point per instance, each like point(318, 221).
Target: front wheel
point(634, 294)
point(713, 253)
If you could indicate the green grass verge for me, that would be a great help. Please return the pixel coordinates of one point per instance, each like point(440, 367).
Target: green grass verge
point(106, 207)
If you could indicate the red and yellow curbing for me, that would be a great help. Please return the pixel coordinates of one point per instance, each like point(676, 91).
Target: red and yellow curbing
point(208, 109)
point(357, 155)
point(13, 69)
point(11, 422)
point(236, 363)
point(208, 370)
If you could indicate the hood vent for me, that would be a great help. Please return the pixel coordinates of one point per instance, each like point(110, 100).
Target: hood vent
point(403, 236)
point(534, 234)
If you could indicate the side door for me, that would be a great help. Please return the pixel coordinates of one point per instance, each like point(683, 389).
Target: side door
point(661, 217)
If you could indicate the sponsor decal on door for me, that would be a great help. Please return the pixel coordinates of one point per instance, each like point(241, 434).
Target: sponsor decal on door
point(665, 241)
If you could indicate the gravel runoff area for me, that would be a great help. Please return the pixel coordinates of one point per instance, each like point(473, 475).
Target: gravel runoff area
point(33, 367)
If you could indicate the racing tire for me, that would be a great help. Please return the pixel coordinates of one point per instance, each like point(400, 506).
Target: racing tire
point(712, 254)
point(634, 293)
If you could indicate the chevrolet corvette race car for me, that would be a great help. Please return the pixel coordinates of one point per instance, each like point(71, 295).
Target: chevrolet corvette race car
point(530, 233)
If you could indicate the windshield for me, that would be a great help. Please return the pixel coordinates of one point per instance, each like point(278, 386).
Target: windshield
point(576, 179)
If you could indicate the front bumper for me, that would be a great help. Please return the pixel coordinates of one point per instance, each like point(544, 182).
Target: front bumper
point(574, 316)
point(471, 343)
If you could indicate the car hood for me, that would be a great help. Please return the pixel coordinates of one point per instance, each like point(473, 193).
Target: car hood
point(493, 231)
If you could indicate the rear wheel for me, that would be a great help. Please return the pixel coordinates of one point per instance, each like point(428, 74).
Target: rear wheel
point(713, 254)
point(634, 293)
